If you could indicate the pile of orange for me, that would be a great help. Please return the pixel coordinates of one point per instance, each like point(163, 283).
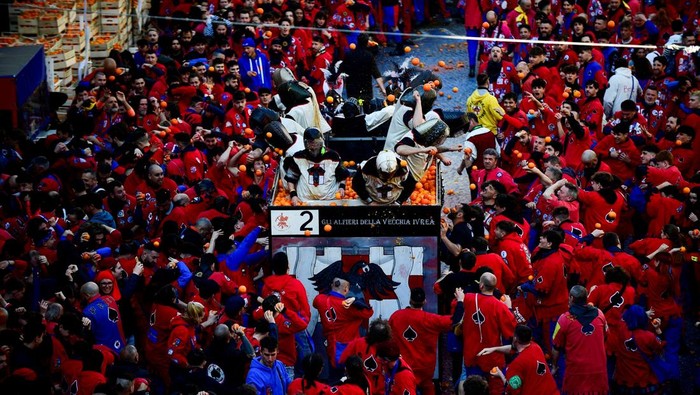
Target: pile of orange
point(424, 194)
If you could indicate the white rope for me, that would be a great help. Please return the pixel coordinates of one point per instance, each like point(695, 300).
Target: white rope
point(688, 49)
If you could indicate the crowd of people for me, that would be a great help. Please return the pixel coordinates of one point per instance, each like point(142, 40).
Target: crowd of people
point(134, 243)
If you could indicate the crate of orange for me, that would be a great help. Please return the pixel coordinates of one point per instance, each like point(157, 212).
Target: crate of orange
point(102, 42)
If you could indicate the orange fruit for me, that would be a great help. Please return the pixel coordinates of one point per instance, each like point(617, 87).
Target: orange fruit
point(268, 135)
point(242, 168)
point(86, 256)
point(450, 191)
point(330, 100)
point(455, 89)
point(521, 75)
point(260, 11)
point(111, 78)
point(565, 95)
point(327, 227)
point(415, 61)
point(353, 46)
point(441, 63)
point(503, 298)
point(531, 165)
point(678, 142)
point(337, 195)
point(258, 172)
point(390, 98)
point(249, 132)
point(351, 163)
point(683, 249)
point(531, 111)
point(486, 25)
point(246, 90)
point(472, 186)
point(530, 277)
point(266, 158)
point(211, 69)
point(474, 168)
point(547, 139)
point(436, 82)
point(163, 104)
point(577, 94)
point(696, 232)
point(519, 155)
point(515, 151)
point(656, 322)
point(449, 96)
point(611, 24)
point(686, 190)
point(612, 215)
point(419, 186)
point(407, 49)
point(174, 121)
point(307, 233)
point(403, 163)
point(598, 225)
point(468, 151)
point(427, 87)
point(156, 244)
point(445, 210)
point(441, 93)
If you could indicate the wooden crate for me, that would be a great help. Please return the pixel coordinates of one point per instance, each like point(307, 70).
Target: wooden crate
point(52, 24)
point(102, 42)
point(28, 23)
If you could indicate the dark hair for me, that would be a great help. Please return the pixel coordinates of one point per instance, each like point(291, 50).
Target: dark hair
point(617, 275)
point(313, 365)
point(482, 79)
point(553, 237)
point(467, 259)
point(523, 333)
point(280, 263)
point(610, 239)
point(269, 343)
point(379, 331)
point(475, 385)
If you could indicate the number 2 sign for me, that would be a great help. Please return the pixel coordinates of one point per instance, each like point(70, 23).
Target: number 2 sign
point(294, 222)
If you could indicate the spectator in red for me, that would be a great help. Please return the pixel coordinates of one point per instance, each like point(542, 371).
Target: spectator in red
point(580, 336)
point(619, 152)
point(416, 333)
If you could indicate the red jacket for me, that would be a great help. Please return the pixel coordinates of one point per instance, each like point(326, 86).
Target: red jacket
point(417, 332)
point(291, 292)
point(516, 255)
point(619, 168)
point(504, 275)
point(489, 325)
point(181, 341)
point(631, 367)
point(370, 362)
point(532, 369)
point(340, 325)
point(550, 283)
point(598, 211)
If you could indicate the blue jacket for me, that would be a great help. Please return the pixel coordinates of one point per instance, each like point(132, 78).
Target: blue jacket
point(263, 378)
point(259, 65)
point(105, 324)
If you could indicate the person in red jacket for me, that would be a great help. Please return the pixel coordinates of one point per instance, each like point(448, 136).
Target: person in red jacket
point(194, 160)
point(340, 319)
point(528, 373)
point(366, 348)
point(91, 375)
point(289, 323)
point(309, 383)
point(290, 290)
point(494, 261)
point(634, 345)
point(398, 376)
point(164, 309)
point(602, 206)
point(619, 152)
point(549, 282)
point(183, 335)
point(580, 334)
point(416, 333)
point(592, 110)
point(487, 322)
point(509, 245)
point(613, 298)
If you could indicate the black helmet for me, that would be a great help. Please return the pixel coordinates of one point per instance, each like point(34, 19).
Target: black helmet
point(277, 136)
point(431, 132)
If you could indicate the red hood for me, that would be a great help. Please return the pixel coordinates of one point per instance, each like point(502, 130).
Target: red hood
point(277, 282)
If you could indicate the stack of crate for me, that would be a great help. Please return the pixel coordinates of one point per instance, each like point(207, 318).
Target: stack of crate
point(53, 22)
point(112, 16)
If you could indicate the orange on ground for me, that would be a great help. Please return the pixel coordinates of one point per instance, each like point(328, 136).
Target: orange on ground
point(455, 89)
point(441, 63)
